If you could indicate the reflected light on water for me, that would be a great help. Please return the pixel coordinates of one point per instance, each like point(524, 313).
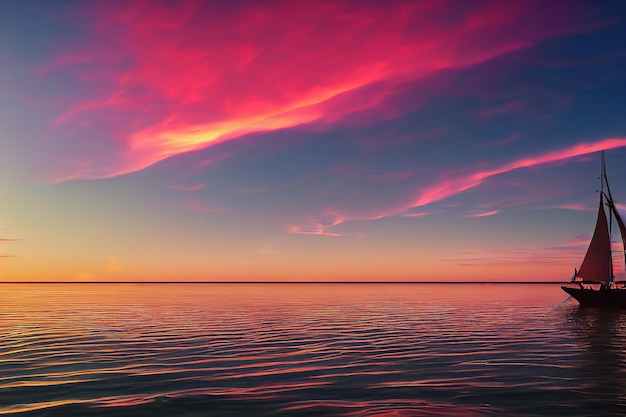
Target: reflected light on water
point(306, 350)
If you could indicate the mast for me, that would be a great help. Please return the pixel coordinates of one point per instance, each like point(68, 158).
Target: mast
point(603, 181)
point(615, 213)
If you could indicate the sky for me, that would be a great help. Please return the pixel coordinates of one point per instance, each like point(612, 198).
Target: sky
point(427, 140)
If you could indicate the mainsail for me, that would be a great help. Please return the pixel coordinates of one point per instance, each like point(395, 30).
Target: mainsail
point(597, 263)
point(620, 223)
point(613, 208)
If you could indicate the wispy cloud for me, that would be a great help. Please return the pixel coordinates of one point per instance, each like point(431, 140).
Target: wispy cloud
point(456, 185)
point(483, 214)
point(319, 226)
point(419, 214)
point(170, 79)
point(574, 207)
point(313, 230)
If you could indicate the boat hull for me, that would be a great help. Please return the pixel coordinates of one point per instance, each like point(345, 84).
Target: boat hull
point(606, 298)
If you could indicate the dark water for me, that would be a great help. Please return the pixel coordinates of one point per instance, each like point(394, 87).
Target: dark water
point(307, 350)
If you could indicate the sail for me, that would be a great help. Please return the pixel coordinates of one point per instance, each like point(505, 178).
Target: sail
point(611, 203)
point(620, 222)
point(597, 263)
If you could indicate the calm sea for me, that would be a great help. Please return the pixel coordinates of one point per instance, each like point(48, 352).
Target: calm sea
point(307, 350)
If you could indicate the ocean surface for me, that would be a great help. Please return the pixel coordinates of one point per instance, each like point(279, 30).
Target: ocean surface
point(360, 350)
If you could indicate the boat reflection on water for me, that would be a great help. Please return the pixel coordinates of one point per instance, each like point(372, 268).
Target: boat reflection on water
point(601, 339)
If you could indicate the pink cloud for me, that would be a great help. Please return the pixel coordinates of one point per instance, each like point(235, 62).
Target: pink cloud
point(170, 78)
point(421, 214)
point(312, 230)
point(319, 226)
point(575, 207)
point(453, 186)
point(484, 214)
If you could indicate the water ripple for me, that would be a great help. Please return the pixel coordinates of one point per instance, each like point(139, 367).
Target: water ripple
point(307, 350)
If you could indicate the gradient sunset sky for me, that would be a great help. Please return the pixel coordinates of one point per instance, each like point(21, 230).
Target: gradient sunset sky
point(317, 140)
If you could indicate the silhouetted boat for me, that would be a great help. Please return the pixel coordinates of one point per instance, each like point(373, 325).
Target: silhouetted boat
point(594, 285)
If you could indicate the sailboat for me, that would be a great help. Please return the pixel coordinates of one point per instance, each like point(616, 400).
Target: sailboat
point(594, 284)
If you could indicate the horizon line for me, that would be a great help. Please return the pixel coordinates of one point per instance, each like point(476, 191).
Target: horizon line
point(282, 282)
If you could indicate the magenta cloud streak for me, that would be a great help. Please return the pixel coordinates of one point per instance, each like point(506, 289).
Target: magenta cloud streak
point(158, 79)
